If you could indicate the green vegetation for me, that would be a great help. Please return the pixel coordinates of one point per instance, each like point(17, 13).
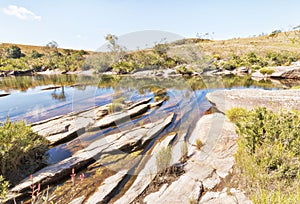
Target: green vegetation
point(144, 60)
point(268, 154)
point(3, 187)
point(117, 105)
point(163, 159)
point(22, 151)
point(295, 87)
point(184, 70)
point(49, 57)
point(184, 151)
point(199, 144)
point(255, 61)
point(266, 71)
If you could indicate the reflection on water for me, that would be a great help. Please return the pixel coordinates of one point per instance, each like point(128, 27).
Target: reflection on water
point(36, 98)
point(32, 97)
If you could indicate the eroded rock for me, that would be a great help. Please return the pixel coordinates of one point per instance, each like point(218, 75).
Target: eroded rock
point(147, 174)
point(119, 141)
point(206, 167)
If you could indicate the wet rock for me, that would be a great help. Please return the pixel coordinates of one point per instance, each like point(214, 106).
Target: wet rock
point(4, 94)
point(120, 141)
point(63, 128)
point(144, 101)
point(106, 188)
point(118, 118)
point(147, 174)
point(250, 98)
point(50, 88)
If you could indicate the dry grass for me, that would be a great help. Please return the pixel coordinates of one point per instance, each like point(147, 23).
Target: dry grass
point(26, 49)
point(261, 45)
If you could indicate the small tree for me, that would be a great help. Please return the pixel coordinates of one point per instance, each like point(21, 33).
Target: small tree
point(35, 54)
point(13, 52)
point(114, 47)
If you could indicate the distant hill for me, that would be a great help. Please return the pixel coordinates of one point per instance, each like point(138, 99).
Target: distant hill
point(280, 42)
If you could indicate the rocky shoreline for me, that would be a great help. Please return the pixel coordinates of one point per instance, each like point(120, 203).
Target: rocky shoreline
point(206, 171)
point(280, 72)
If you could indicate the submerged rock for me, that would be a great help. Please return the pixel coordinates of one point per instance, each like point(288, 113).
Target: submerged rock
point(106, 188)
point(60, 129)
point(147, 173)
point(126, 140)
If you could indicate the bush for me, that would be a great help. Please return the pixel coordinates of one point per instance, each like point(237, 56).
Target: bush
point(13, 52)
point(199, 144)
point(268, 154)
point(267, 71)
point(163, 159)
point(35, 54)
point(184, 70)
point(21, 150)
point(3, 187)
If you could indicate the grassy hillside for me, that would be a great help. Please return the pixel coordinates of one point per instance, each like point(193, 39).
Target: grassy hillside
point(27, 57)
point(253, 53)
point(282, 42)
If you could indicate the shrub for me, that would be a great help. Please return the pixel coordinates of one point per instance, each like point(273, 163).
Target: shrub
point(256, 67)
point(199, 144)
point(184, 70)
point(13, 52)
point(268, 154)
point(35, 54)
point(21, 150)
point(163, 159)
point(184, 151)
point(267, 71)
point(3, 187)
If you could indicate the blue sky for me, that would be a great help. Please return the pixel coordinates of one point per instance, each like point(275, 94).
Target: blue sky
point(83, 24)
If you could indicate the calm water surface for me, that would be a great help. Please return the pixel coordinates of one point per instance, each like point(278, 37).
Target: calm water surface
point(35, 98)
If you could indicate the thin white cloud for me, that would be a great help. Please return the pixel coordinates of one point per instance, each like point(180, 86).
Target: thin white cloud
point(21, 13)
point(78, 36)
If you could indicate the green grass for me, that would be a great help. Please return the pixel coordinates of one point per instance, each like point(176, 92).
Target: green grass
point(163, 159)
point(268, 154)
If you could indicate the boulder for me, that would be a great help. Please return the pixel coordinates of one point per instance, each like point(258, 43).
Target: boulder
point(286, 72)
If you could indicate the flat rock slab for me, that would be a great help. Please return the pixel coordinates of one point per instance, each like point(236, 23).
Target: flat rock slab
point(63, 128)
point(119, 141)
point(109, 184)
point(147, 173)
point(206, 167)
point(118, 118)
point(4, 94)
point(249, 98)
